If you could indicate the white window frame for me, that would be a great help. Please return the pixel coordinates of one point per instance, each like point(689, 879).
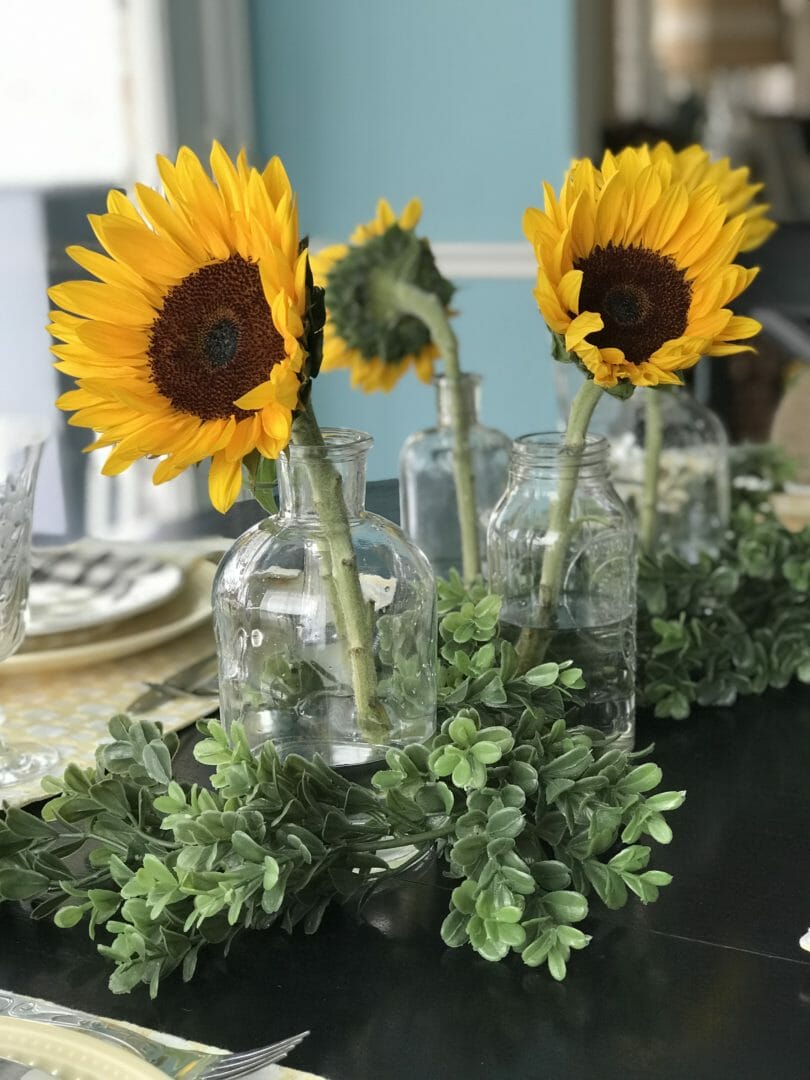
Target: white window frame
point(192, 78)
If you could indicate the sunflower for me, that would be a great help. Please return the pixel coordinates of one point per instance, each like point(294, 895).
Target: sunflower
point(375, 342)
point(189, 343)
point(635, 269)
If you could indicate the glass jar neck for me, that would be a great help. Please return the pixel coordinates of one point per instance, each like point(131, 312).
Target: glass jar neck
point(544, 455)
point(344, 452)
point(470, 398)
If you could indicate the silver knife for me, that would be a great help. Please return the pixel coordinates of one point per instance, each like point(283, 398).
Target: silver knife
point(181, 683)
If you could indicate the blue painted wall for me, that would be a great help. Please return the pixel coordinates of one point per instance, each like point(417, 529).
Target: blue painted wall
point(467, 104)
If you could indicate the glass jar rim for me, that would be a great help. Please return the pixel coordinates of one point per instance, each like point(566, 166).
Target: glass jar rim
point(546, 448)
point(554, 439)
point(341, 444)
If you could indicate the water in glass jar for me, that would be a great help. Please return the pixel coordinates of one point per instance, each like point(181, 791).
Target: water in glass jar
point(606, 655)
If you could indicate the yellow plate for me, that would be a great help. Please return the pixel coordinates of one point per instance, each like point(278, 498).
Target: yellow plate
point(189, 608)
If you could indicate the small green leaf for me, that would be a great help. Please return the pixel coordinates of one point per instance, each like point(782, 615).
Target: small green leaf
point(536, 954)
point(566, 906)
point(69, 916)
point(556, 964)
point(642, 778)
point(20, 883)
point(631, 858)
point(157, 762)
point(543, 675)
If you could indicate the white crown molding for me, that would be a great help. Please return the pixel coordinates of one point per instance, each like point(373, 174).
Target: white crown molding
point(471, 259)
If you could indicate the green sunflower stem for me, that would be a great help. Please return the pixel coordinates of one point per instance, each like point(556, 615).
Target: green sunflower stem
point(429, 309)
point(533, 641)
point(352, 613)
point(653, 443)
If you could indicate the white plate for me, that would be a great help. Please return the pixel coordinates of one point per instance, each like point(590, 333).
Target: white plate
point(76, 588)
point(70, 1055)
point(189, 608)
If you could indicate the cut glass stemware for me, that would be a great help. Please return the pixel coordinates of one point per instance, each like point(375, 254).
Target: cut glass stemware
point(21, 441)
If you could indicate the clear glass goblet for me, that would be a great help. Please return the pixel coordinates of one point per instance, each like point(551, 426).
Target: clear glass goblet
point(21, 441)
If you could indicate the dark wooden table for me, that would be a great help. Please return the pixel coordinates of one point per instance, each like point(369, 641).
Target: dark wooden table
point(707, 983)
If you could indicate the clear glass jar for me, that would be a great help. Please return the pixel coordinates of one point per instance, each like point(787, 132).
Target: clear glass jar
point(427, 489)
point(694, 485)
point(589, 612)
point(284, 668)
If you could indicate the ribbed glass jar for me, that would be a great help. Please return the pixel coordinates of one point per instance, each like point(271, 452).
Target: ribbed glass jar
point(694, 486)
point(285, 671)
point(427, 489)
point(590, 573)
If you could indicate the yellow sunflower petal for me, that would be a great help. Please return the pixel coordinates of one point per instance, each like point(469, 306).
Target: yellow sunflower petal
point(552, 310)
point(424, 362)
point(112, 272)
point(583, 225)
point(136, 245)
point(664, 217)
point(287, 385)
point(740, 326)
point(129, 343)
point(118, 203)
point(243, 439)
point(276, 180)
point(325, 259)
point(588, 322)
point(385, 215)
point(569, 287)
point(96, 300)
point(227, 177)
point(168, 223)
point(224, 481)
point(728, 349)
point(609, 224)
point(276, 421)
point(409, 218)
point(277, 275)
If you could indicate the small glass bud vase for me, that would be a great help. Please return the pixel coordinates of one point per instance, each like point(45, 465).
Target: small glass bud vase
point(285, 667)
point(427, 489)
point(694, 485)
point(569, 589)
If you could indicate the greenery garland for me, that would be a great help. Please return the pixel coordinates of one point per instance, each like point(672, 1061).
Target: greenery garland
point(530, 816)
point(733, 624)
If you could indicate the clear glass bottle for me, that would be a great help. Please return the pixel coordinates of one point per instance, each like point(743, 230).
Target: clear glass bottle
point(592, 619)
point(284, 669)
point(694, 485)
point(427, 489)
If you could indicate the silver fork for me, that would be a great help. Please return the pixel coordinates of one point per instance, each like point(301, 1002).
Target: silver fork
point(234, 1065)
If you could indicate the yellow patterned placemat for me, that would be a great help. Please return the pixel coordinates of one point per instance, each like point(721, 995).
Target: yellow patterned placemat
point(69, 709)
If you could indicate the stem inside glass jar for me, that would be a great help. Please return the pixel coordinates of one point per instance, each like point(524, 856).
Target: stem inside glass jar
point(533, 641)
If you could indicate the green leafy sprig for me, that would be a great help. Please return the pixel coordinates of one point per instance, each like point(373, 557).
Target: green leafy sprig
point(733, 624)
point(531, 817)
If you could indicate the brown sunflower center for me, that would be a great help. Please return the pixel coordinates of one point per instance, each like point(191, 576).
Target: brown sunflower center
point(221, 341)
point(214, 340)
point(642, 296)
